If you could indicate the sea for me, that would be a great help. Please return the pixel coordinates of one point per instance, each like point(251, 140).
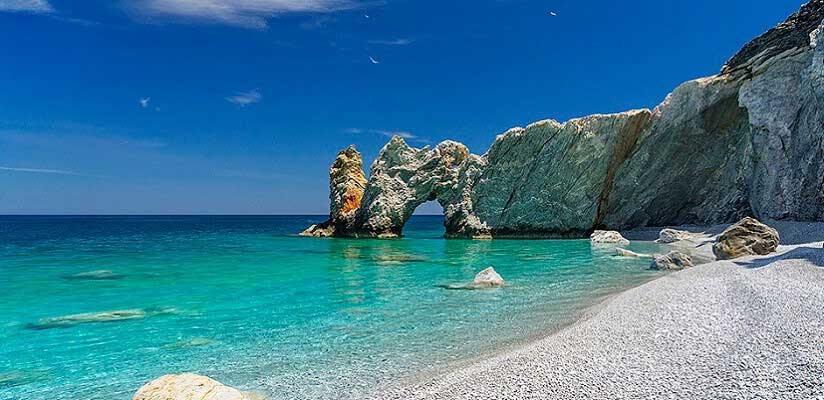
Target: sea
point(93, 307)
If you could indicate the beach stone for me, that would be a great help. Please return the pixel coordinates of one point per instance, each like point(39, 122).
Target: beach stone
point(747, 237)
point(673, 235)
point(187, 387)
point(488, 278)
point(608, 237)
point(672, 261)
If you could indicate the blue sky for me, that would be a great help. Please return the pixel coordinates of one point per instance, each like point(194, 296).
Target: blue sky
point(239, 106)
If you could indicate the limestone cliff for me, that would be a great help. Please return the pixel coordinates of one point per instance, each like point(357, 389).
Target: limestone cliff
point(745, 142)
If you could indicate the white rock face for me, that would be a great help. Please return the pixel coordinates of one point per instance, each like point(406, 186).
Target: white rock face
point(672, 261)
point(673, 235)
point(488, 278)
point(187, 387)
point(608, 237)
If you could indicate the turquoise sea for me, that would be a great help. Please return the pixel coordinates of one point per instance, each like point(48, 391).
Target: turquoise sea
point(243, 300)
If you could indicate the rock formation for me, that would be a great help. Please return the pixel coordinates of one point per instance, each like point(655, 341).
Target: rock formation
point(187, 387)
point(747, 237)
point(672, 261)
point(346, 185)
point(745, 142)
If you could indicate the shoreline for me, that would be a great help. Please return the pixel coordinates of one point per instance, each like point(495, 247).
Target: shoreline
point(598, 355)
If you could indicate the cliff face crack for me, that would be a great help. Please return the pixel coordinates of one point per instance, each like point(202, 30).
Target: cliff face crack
point(524, 179)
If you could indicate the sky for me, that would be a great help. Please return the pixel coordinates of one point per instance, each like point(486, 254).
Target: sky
point(240, 106)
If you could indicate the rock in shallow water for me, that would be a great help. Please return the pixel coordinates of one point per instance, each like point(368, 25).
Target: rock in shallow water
point(103, 274)
point(488, 278)
point(105, 316)
point(672, 261)
point(187, 387)
point(631, 254)
point(747, 237)
point(608, 237)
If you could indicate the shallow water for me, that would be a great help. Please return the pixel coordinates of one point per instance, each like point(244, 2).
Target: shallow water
point(244, 301)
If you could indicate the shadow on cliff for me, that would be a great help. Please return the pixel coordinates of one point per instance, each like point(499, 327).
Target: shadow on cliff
point(813, 255)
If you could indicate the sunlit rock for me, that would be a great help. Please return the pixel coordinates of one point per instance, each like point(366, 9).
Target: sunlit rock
point(187, 387)
point(747, 237)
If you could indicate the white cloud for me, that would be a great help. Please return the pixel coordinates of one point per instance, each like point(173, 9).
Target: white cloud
point(26, 6)
point(246, 13)
point(395, 42)
point(244, 99)
point(405, 135)
point(39, 171)
point(145, 102)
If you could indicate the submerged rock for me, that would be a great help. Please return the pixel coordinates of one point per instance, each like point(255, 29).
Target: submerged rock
point(187, 387)
point(672, 236)
point(747, 237)
point(488, 278)
point(745, 142)
point(672, 261)
point(98, 317)
point(193, 342)
point(103, 274)
point(607, 237)
point(627, 253)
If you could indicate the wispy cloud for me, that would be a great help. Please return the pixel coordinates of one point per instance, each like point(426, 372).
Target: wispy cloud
point(405, 135)
point(26, 6)
point(395, 42)
point(39, 171)
point(145, 102)
point(389, 134)
point(244, 13)
point(244, 99)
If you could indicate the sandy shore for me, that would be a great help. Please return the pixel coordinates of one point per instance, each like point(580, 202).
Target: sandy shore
point(743, 329)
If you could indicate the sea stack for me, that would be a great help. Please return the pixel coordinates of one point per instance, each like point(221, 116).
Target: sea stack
point(346, 186)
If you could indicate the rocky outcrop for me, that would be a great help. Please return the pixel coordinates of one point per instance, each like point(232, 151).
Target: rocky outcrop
point(346, 186)
point(187, 387)
point(672, 261)
point(673, 235)
point(745, 142)
point(607, 237)
point(747, 237)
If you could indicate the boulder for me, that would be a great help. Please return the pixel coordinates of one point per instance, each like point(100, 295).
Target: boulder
point(187, 387)
point(672, 261)
point(747, 237)
point(607, 237)
point(672, 236)
point(488, 278)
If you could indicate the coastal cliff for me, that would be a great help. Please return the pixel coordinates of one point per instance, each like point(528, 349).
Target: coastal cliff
point(745, 142)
